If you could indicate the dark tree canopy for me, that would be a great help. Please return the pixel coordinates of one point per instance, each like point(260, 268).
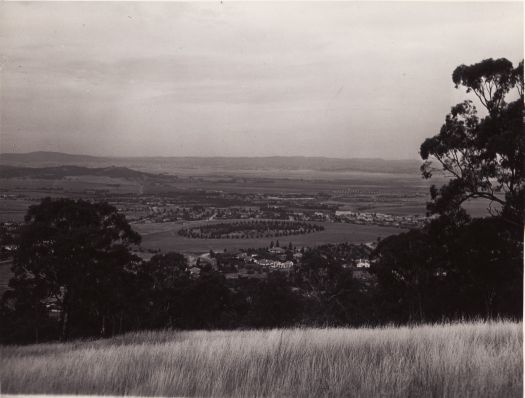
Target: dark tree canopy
point(74, 256)
point(517, 76)
point(483, 156)
point(457, 266)
point(451, 269)
point(490, 79)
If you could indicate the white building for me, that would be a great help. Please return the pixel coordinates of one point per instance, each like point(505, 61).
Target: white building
point(362, 263)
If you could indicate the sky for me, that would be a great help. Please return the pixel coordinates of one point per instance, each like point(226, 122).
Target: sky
point(337, 79)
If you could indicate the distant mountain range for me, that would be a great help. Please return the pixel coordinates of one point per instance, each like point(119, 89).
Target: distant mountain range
point(59, 172)
point(173, 165)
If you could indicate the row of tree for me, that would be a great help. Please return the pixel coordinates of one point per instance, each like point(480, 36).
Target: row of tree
point(75, 276)
point(446, 271)
point(250, 229)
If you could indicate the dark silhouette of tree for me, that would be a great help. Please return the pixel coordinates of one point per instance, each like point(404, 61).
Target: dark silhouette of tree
point(517, 78)
point(165, 278)
point(274, 304)
point(482, 155)
point(452, 268)
point(457, 266)
point(207, 302)
point(24, 317)
point(487, 268)
point(403, 265)
point(348, 302)
point(490, 80)
point(74, 256)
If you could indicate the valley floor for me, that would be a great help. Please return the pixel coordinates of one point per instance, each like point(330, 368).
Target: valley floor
point(481, 359)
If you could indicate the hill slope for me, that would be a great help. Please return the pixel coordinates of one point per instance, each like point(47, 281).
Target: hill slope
point(451, 360)
point(60, 172)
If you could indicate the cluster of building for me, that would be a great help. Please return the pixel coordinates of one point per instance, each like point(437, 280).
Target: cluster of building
point(218, 205)
point(8, 230)
point(278, 259)
point(406, 221)
point(160, 214)
point(264, 208)
point(244, 264)
point(257, 264)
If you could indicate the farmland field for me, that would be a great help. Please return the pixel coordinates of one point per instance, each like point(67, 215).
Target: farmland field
point(165, 236)
point(447, 360)
point(13, 209)
point(67, 185)
point(476, 207)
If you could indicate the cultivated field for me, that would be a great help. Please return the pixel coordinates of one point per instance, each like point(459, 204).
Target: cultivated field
point(13, 209)
point(457, 360)
point(165, 236)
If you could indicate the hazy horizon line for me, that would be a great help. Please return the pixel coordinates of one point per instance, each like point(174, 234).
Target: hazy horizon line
point(208, 157)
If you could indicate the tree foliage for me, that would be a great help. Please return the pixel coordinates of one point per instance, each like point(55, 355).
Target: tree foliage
point(73, 257)
point(457, 266)
point(482, 156)
point(451, 269)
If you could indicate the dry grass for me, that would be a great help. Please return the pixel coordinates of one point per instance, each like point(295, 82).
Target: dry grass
point(454, 360)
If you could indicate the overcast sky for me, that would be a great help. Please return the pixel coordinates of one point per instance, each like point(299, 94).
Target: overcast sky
point(240, 79)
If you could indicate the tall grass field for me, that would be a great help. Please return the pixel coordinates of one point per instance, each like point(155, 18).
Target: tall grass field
point(479, 359)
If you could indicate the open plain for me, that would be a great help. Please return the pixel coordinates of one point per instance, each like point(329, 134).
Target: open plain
point(164, 236)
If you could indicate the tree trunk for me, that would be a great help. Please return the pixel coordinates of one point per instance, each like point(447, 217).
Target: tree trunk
point(488, 304)
point(103, 327)
point(64, 316)
point(420, 306)
point(65, 319)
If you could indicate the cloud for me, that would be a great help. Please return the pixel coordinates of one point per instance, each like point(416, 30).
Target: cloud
point(327, 79)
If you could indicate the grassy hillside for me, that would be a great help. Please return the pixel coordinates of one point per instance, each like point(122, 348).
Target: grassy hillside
point(458, 360)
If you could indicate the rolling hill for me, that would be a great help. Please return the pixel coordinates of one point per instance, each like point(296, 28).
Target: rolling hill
point(217, 164)
point(60, 172)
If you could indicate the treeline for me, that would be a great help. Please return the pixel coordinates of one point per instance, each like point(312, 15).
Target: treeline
point(75, 276)
point(455, 267)
point(250, 229)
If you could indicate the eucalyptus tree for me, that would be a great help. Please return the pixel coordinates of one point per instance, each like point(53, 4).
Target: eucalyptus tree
point(74, 257)
point(482, 155)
